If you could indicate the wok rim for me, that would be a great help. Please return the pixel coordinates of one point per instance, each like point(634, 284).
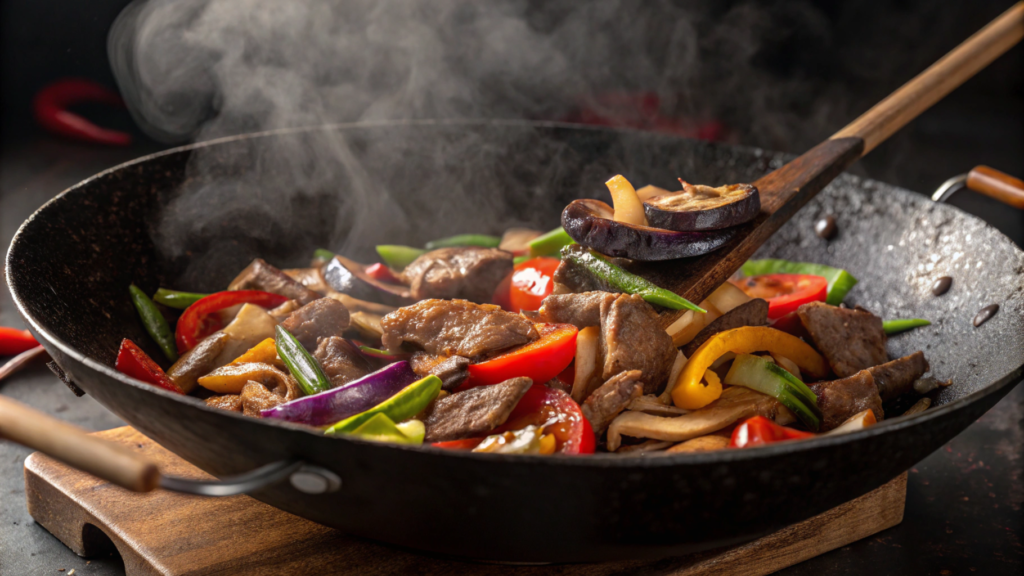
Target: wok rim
point(601, 460)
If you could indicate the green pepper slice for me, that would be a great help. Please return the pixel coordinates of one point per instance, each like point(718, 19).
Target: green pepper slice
point(300, 363)
point(409, 402)
point(623, 281)
point(902, 325)
point(839, 281)
point(176, 298)
point(398, 257)
point(549, 244)
point(154, 322)
point(481, 240)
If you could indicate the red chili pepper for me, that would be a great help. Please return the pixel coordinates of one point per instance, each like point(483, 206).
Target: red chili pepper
point(758, 431)
point(540, 360)
point(784, 292)
point(381, 272)
point(531, 283)
point(464, 444)
point(198, 321)
point(131, 360)
point(51, 102)
point(14, 341)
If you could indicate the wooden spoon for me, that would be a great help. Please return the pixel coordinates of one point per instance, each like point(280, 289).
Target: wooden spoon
point(786, 190)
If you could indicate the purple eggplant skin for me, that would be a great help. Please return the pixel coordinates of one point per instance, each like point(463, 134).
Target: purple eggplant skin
point(350, 277)
point(589, 222)
point(336, 404)
point(737, 212)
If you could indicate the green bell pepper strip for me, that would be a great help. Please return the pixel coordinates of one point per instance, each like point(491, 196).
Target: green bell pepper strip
point(300, 363)
point(896, 326)
point(398, 257)
point(154, 322)
point(176, 299)
point(839, 281)
point(549, 244)
point(381, 429)
point(321, 254)
point(481, 240)
point(409, 402)
point(629, 283)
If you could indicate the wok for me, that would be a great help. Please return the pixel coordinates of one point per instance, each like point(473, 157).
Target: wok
point(190, 218)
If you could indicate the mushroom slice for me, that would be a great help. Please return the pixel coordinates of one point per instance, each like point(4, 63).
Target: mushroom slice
point(700, 208)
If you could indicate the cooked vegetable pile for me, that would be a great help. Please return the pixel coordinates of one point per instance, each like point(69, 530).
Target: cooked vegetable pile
point(539, 343)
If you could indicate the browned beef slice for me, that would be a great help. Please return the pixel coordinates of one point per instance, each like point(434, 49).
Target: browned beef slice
point(452, 370)
point(456, 327)
point(851, 340)
point(474, 412)
point(262, 276)
point(611, 398)
point(753, 313)
point(840, 399)
point(632, 339)
point(229, 402)
point(581, 310)
point(471, 273)
point(896, 378)
point(310, 278)
point(577, 278)
point(342, 362)
point(321, 318)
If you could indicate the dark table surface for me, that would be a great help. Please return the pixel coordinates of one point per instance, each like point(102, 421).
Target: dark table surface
point(963, 513)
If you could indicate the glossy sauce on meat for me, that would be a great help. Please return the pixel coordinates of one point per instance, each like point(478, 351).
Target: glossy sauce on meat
point(456, 328)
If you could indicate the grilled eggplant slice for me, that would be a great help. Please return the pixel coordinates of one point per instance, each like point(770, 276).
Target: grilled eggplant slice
point(349, 277)
point(590, 223)
point(700, 208)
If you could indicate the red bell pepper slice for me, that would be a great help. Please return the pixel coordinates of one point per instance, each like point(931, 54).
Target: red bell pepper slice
point(552, 409)
point(51, 105)
point(758, 431)
point(132, 361)
point(784, 292)
point(14, 341)
point(198, 320)
point(540, 360)
point(532, 281)
point(381, 272)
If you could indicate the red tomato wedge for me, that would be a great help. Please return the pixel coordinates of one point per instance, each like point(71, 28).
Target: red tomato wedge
point(532, 282)
point(540, 360)
point(132, 361)
point(14, 341)
point(198, 320)
point(784, 292)
point(758, 431)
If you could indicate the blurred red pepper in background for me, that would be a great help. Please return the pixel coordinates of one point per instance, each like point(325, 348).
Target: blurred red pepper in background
point(758, 431)
point(14, 341)
point(50, 107)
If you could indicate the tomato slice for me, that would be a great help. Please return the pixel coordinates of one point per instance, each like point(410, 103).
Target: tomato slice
point(784, 292)
point(131, 360)
point(532, 281)
point(198, 320)
point(540, 360)
point(758, 431)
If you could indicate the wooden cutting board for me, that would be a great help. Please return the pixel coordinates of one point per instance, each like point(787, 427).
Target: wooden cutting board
point(174, 534)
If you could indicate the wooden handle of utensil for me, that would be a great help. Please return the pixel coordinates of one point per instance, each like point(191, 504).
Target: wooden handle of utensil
point(998, 185)
point(75, 447)
point(930, 86)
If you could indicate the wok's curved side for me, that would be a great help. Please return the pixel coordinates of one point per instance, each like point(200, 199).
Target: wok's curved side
point(70, 263)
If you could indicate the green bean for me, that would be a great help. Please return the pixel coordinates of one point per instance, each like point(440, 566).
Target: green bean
point(300, 362)
point(481, 240)
point(154, 322)
point(902, 325)
point(409, 402)
point(176, 299)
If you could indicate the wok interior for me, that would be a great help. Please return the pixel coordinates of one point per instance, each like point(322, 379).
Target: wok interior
point(192, 220)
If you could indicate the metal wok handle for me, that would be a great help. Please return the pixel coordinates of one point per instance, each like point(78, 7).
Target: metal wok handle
point(117, 465)
point(987, 181)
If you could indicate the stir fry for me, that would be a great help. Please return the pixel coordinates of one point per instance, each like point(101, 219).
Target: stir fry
point(541, 343)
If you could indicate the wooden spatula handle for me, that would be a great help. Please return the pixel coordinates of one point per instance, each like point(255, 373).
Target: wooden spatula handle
point(998, 185)
point(930, 86)
point(73, 446)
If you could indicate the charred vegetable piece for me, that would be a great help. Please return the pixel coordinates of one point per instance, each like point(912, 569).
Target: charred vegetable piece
point(481, 240)
point(199, 320)
point(839, 281)
point(132, 361)
point(897, 326)
point(409, 402)
point(785, 292)
point(350, 277)
point(398, 257)
point(621, 281)
point(540, 360)
point(549, 244)
point(700, 207)
point(14, 341)
point(154, 322)
point(300, 363)
point(758, 431)
point(328, 407)
point(768, 378)
point(177, 299)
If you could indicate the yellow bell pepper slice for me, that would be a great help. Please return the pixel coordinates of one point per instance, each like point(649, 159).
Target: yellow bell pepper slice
point(688, 392)
point(264, 352)
point(232, 378)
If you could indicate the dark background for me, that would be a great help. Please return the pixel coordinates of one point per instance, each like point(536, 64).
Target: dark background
point(964, 502)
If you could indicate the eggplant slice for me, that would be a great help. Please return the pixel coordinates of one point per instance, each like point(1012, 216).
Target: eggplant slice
point(349, 277)
point(699, 208)
point(589, 222)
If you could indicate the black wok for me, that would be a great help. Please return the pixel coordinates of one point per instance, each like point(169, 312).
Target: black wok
point(158, 221)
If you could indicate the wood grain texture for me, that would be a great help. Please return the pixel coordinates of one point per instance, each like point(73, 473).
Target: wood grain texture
point(174, 534)
point(998, 185)
point(938, 80)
